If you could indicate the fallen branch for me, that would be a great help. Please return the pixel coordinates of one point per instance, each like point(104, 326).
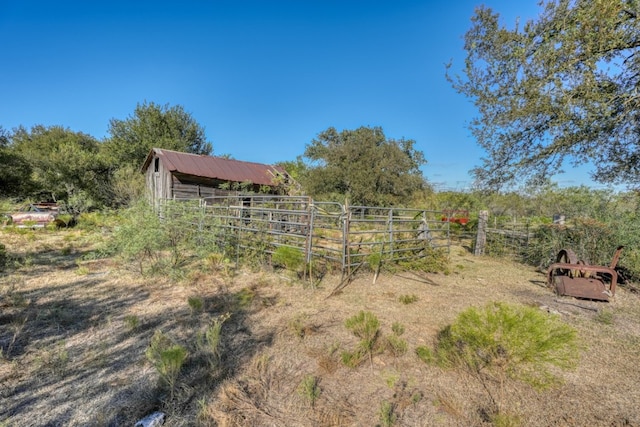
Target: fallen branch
point(345, 281)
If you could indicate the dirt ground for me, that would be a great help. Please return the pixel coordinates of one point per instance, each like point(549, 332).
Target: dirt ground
point(73, 335)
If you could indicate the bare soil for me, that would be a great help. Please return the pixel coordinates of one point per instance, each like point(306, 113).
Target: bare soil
point(73, 335)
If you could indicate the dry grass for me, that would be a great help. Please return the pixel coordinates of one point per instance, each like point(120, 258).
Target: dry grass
point(73, 336)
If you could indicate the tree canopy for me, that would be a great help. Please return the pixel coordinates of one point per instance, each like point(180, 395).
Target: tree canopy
point(153, 125)
point(563, 87)
point(62, 162)
point(363, 165)
point(15, 170)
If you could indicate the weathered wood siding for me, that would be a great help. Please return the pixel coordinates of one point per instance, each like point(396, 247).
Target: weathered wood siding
point(158, 180)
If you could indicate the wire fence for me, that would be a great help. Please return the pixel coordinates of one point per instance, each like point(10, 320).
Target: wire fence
point(538, 244)
point(511, 239)
point(326, 232)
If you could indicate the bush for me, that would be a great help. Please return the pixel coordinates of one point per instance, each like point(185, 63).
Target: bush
point(167, 357)
point(500, 341)
point(366, 326)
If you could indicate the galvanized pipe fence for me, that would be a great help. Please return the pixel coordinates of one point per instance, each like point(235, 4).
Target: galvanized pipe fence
point(325, 232)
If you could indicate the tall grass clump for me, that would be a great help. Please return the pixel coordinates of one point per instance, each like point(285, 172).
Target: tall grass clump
point(501, 342)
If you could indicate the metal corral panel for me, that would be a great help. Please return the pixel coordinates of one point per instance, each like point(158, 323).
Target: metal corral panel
point(216, 167)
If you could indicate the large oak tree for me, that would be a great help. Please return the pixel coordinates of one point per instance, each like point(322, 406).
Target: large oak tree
point(62, 162)
point(363, 165)
point(564, 87)
point(153, 125)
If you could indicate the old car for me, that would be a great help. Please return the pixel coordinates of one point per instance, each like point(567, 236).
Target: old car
point(35, 215)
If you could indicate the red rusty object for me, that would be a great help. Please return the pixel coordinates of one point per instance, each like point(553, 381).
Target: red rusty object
point(458, 216)
point(577, 279)
point(35, 215)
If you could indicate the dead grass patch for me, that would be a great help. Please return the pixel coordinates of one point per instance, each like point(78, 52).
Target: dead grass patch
point(73, 346)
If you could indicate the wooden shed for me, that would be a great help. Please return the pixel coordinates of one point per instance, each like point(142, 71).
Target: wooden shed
point(175, 175)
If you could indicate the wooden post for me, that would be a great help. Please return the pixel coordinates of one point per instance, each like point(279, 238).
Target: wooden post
point(481, 238)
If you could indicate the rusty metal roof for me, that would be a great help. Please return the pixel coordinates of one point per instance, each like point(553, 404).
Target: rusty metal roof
point(215, 167)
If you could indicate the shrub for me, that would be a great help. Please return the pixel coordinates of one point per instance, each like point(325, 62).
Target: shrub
point(397, 345)
point(523, 342)
point(167, 357)
point(501, 341)
point(366, 326)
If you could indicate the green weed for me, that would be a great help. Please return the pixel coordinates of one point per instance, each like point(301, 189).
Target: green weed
point(397, 328)
point(309, 389)
point(408, 299)
point(387, 414)
point(132, 322)
point(366, 326)
point(209, 341)
point(605, 317)
point(167, 357)
point(196, 304)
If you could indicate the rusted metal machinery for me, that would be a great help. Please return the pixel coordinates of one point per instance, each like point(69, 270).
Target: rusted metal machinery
point(569, 276)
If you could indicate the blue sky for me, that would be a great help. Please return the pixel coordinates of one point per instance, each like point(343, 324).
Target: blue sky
point(262, 77)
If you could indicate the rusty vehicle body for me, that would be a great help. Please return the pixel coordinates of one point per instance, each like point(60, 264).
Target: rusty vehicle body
point(572, 277)
point(35, 215)
point(457, 216)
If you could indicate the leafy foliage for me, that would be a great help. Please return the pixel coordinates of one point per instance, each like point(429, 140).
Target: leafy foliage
point(15, 174)
point(153, 125)
point(387, 414)
point(564, 86)
point(63, 163)
point(363, 165)
point(137, 238)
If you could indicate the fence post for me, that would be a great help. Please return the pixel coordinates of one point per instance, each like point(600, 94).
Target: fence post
point(310, 223)
point(390, 229)
point(481, 238)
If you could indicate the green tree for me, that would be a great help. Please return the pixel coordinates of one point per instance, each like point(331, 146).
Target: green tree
point(63, 162)
point(15, 170)
point(295, 168)
point(563, 87)
point(153, 125)
point(363, 165)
